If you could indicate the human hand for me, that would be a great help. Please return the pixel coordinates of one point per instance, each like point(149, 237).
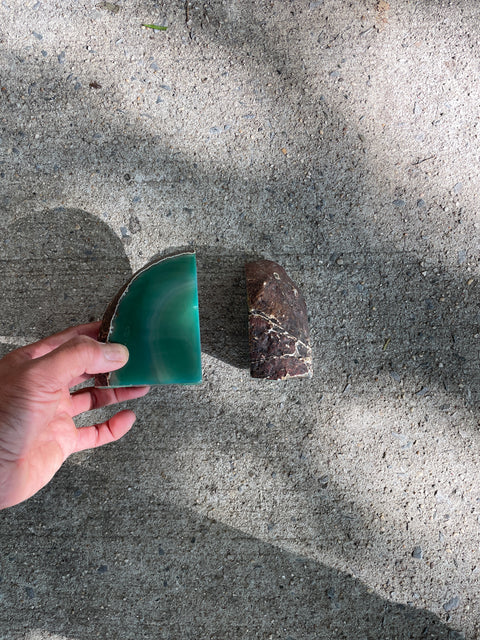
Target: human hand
point(37, 432)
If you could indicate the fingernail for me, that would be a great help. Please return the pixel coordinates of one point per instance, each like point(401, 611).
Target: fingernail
point(115, 352)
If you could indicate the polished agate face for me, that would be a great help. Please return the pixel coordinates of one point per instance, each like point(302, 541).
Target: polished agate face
point(155, 315)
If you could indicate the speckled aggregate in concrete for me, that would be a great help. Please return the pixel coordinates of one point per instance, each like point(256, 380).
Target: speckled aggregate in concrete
point(341, 140)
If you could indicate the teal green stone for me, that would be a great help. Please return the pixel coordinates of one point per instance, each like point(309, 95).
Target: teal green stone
point(156, 318)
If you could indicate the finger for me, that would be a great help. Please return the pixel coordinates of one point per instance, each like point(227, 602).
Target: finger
point(92, 398)
point(106, 432)
point(80, 355)
point(46, 345)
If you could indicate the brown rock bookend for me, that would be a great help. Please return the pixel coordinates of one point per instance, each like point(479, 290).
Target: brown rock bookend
point(278, 324)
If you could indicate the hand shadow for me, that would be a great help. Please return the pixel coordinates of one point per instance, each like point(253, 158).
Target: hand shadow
point(59, 268)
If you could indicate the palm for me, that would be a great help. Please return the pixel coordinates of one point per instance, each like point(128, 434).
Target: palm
point(37, 431)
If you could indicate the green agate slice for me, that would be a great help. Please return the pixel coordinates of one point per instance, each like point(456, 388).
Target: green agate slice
point(155, 315)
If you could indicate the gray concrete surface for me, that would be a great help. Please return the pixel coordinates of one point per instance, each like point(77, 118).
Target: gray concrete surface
point(340, 139)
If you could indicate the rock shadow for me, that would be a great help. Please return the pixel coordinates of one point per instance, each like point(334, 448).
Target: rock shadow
point(223, 304)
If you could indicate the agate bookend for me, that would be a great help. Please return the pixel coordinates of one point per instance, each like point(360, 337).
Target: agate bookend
point(155, 315)
point(278, 324)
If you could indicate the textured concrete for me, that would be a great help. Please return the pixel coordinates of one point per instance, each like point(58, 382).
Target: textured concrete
point(341, 140)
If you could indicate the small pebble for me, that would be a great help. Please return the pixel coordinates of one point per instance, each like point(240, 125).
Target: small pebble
point(36, 35)
point(458, 187)
point(422, 392)
point(134, 225)
point(30, 593)
point(161, 551)
point(109, 6)
point(461, 257)
point(417, 553)
point(420, 203)
point(323, 481)
point(399, 203)
point(452, 604)
point(102, 568)
point(334, 74)
point(61, 57)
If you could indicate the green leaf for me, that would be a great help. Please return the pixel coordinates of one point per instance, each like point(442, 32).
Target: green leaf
point(154, 26)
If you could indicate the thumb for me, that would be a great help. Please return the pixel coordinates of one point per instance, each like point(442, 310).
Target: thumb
point(79, 356)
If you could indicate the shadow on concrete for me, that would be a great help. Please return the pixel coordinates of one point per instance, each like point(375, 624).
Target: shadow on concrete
point(223, 304)
point(59, 268)
point(138, 567)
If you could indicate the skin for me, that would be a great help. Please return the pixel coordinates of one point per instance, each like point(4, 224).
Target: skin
point(37, 431)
